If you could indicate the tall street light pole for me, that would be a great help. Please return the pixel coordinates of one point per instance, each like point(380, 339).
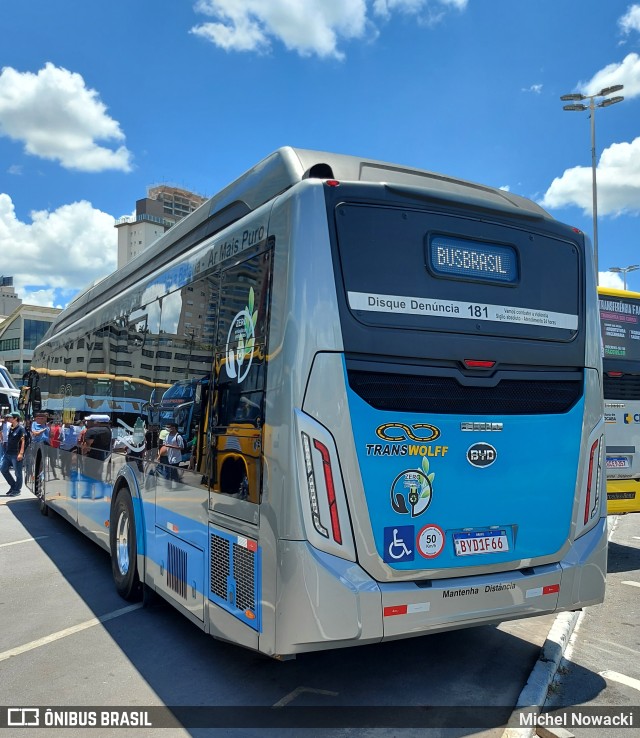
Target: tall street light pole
point(624, 271)
point(591, 107)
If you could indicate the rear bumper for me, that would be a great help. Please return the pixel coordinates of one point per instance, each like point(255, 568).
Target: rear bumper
point(325, 602)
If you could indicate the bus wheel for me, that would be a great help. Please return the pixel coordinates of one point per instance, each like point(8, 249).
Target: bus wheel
point(122, 529)
point(39, 487)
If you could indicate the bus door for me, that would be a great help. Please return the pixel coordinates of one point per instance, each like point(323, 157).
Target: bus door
point(237, 406)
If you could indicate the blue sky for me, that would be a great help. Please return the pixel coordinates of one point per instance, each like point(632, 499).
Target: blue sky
point(99, 101)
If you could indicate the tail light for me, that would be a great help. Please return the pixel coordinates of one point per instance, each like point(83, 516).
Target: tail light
point(587, 502)
point(331, 491)
point(324, 502)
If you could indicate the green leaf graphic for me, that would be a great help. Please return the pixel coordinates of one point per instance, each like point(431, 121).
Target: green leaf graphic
point(251, 300)
point(425, 465)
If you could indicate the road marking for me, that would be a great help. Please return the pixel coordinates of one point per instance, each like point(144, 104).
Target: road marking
point(24, 540)
point(298, 691)
point(632, 584)
point(621, 678)
point(67, 632)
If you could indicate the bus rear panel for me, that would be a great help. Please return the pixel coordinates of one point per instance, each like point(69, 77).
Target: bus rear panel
point(449, 435)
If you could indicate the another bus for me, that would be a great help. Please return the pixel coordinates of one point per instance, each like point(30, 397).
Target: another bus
point(9, 393)
point(620, 325)
point(400, 422)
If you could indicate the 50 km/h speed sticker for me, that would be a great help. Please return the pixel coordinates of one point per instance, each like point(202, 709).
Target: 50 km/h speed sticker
point(430, 541)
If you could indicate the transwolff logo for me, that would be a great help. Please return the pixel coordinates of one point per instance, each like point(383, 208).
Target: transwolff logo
point(631, 418)
point(406, 440)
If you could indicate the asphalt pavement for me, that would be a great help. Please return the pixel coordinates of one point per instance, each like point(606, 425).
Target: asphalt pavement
point(585, 659)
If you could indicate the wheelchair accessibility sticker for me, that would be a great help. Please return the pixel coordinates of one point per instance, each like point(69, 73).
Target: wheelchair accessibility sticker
point(399, 543)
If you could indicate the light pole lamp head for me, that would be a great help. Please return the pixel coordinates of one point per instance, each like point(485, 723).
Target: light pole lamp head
point(608, 90)
point(573, 96)
point(610, 101)
point(575, 107)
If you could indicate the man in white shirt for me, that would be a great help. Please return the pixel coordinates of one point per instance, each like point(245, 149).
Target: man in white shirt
point(171, 448)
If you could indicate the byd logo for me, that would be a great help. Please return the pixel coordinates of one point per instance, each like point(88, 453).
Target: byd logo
point(481, 455)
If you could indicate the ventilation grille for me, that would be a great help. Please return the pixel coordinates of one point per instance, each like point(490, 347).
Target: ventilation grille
point(177, 570)
point(235, 575)
point(626, 387)
point(219, 566)
point(411, 393)
point(245, 575)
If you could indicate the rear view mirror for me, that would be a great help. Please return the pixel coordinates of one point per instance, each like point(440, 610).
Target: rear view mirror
point(36, 400)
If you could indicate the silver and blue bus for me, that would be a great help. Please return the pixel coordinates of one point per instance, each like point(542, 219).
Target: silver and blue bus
point(388, 386)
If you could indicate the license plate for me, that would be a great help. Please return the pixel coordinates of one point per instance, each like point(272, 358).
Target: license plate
point(480, 542)
point(617, 462)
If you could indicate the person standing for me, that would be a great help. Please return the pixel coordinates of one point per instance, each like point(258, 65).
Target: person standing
point(68, 440)
point(96, 450)
point(54, 443)
point(13, 456)
point(172, 447)
point(40, 429)
point(5, 424)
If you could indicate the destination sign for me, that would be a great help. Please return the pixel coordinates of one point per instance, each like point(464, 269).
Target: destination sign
point(459, 257)
point(620, 324)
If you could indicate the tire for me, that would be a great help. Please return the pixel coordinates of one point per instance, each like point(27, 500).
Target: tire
point(39, 486)
point(124, 548)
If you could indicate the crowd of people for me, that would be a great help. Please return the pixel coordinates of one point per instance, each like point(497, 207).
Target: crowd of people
point(91, 437)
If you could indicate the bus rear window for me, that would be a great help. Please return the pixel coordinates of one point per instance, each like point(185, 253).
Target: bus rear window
point(415, 269)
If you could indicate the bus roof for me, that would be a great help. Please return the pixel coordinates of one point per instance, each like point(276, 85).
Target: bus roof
point(613, 292)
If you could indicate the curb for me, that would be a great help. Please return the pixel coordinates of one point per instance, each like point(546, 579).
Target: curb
point(534, 692)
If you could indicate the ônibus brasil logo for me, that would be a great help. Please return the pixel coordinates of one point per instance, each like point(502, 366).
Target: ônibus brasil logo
point(242, 332)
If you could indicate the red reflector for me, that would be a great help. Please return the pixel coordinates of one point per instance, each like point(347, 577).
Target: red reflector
point(576, 230)
point(395, 610)
point(587, 502)
point(614, 374)
point(331, 491)
point(550, 589)
point(332, 182)
point(478, 364)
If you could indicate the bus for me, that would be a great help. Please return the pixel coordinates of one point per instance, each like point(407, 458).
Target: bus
point(9, 393)
point(620, 327)
point(400, 422)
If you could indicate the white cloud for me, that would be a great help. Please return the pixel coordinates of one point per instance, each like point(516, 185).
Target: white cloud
point(306, 26)
point(533, 88)
point(618, 180)
point(630, 21)
point(428, 12)
point(626, 73)
point(58, 118)
point(618, 170)
point(64, 249)
point(610, 279)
